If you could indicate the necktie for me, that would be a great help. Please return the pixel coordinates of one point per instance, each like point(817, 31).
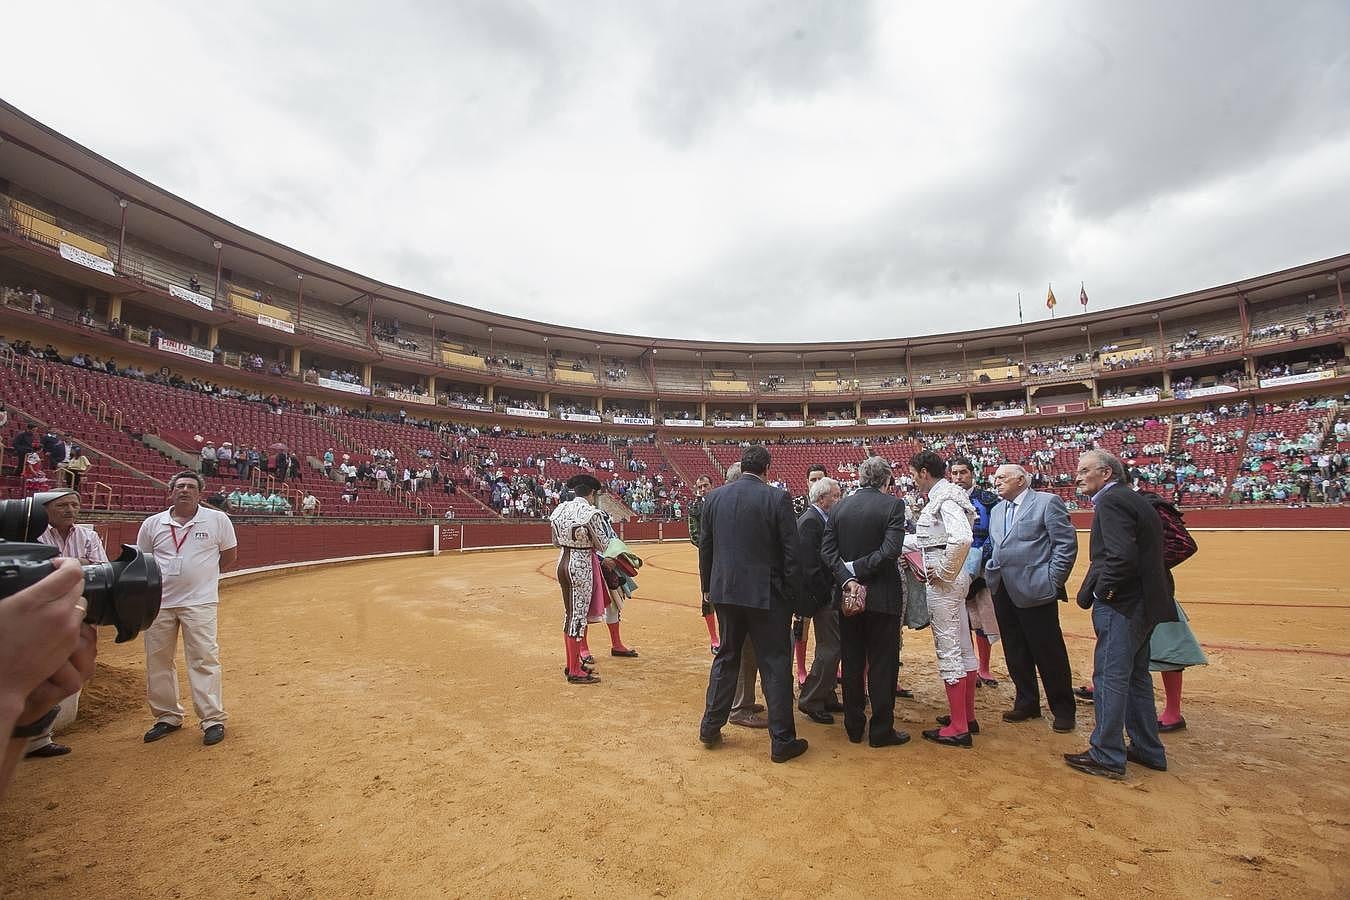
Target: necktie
point(1008, 521)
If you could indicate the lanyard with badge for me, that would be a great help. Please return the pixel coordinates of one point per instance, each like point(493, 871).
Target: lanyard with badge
point(174, 565)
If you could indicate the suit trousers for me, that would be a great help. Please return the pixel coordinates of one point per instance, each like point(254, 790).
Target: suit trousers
point(769, 632)
point(869, 641)
point(198, 624)
point(1033, 641)
point(819, 687)
point(1122, 690)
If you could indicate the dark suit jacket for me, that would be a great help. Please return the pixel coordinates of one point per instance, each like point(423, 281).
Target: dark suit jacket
point(1127, 568)
point(817, 580)
point(867, 528)
point(747, 551)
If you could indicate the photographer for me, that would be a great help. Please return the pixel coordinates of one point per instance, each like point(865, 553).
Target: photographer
point(46, 653)
point(80, 543)
point(192, 545)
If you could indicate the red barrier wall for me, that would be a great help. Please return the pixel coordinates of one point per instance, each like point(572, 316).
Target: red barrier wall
point(1251, 517)
point(269, 545)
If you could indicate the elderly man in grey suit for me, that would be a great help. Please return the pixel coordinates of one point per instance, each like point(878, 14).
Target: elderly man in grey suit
point(1033, 548)
point(749, 572)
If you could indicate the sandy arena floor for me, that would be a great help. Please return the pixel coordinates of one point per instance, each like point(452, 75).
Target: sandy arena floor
point(401, 729)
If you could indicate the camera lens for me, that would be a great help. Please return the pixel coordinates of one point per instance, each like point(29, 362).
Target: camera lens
point(124, 593)
point(23, 520)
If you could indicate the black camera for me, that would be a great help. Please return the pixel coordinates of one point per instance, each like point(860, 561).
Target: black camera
point(124, 593)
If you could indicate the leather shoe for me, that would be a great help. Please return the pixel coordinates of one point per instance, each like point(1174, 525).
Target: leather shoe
point(820, 718)
point(750, 720)
point(833, 706)
point(1021, 715)
point(1178, 725)
point(1064, 726)
point(971, 724)
point(213, 735)
point(159, 730)
point(955, 740)
point(1134, 757)
point(625, 652)
point(710, 741)
point(791, 750)
point(894, 739)
point(904, 693)
point(1083, 762)
point(48, 751)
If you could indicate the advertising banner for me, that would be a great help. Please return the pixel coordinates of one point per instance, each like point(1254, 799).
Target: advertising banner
point(86, 259)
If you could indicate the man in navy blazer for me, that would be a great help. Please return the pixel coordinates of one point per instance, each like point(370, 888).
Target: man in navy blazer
point(749, 571)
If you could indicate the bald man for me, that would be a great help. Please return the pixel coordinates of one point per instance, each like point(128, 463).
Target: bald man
point(1034, 549)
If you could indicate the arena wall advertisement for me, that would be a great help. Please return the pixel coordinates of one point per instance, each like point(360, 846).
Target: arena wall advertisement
point(1131, 401)
point(86, 259)
point(888, 420)
point(784, 423)
point(1000, 413)
point(733, 423)
point(192, 297)
point(346, 387)
point(1059, 409)
point(837, 423)
point(1302, 378)
point(683, 423)
point(632, 420)
point(527, 413)
point(942, 417)
point(278, 324)
point(580, 417)
point(1212, 391)
point(169, 345)
point(410, 397)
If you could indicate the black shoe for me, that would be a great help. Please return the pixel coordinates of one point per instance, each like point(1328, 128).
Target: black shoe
point(1083, 693)
point(588, 678)
point(956, 740)
point(1021, 715)
point(213, 735)
point(971, 724)
point(1179, 725)
point(710, 741)
point(791, 750)
point(1064, 726)
point(159, 730)
point(1083, 762)
point(894, 739)
point(1134, 757)
point(904, 693)
point(854, 738)
point(47, 751)
point(625, 652)
point(833, 706)
point(820, 718)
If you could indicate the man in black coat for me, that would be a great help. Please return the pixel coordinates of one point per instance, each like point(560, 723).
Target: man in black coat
point(1126, 588)
point(817, 699)
point(748, 568)
point(24, 442)
point(863, 540)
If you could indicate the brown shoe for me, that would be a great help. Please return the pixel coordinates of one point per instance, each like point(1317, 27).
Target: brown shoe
point(750, 720)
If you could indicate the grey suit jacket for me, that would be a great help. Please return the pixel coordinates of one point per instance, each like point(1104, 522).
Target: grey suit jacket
point(1032, 562)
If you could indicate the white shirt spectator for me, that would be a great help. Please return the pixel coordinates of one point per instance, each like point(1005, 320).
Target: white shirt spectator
point(188, 555)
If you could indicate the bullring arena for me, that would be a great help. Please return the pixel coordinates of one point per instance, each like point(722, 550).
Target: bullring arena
point(398, 724)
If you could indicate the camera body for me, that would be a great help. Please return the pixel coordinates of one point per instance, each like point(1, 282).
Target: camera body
point(124, 593)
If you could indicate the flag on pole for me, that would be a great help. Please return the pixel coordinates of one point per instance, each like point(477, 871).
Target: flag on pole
point(1019, 307)
point(1082, 296)
point(1050, 300)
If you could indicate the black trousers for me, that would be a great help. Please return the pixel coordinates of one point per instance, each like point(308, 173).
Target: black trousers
point(1033, 641)
point(869, 641)
point(770, 633)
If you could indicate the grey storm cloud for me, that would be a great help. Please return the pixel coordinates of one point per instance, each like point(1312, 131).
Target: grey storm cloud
point(773, 169)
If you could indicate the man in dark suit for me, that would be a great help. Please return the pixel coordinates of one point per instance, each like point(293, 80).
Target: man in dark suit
point(1126, 588)
point(863, 540)
point(817, 698)
point(748, 567)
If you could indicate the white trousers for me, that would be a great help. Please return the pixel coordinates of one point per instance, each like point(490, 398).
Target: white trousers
point(951, 628)
point(198, 624)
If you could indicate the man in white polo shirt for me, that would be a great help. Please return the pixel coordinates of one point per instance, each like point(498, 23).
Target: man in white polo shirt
point(192, 545)
point(81, 543)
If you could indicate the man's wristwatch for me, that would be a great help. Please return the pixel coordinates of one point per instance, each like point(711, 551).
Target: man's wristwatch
point(33, 729)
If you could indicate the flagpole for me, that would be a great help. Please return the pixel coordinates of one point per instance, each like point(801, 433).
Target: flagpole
point(1019, 307)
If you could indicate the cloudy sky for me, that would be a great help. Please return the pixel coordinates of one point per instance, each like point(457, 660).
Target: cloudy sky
point(747, 170)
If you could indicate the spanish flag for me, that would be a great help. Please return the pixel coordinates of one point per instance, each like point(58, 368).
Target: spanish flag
point(1050, 298)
